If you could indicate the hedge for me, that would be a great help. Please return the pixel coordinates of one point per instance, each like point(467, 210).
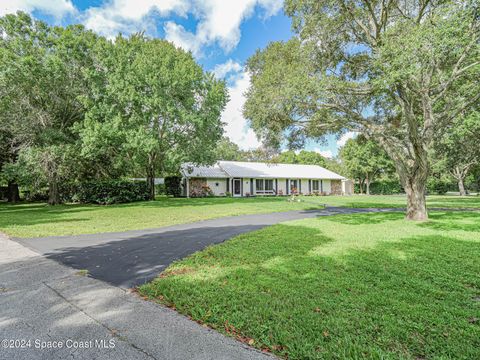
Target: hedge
point(383, 187)
point(105, 192)
point(173, 185)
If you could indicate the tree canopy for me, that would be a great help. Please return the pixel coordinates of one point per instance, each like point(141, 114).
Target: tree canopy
point(458, 150)
point(74, 105)
point(364, 160)
point(154, 106)
point(398, 72)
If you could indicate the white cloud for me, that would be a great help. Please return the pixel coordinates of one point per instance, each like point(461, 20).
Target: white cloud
point(218, 20)
point(128, 16)
point(343, 139)
point(325, 153)
point(221, 70)
point(56, 8)
point(236, 126)
point(182, 38)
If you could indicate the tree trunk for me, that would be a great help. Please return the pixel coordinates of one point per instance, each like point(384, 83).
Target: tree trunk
point(151, 181)
point(53, 193)
point(416, 201)
point(459, 175)
point(461, 187)
point(360, 186)
point(13, 194)
point(367, 183)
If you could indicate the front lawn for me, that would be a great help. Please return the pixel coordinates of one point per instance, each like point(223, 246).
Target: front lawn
point(349, 286)
point(37, 219)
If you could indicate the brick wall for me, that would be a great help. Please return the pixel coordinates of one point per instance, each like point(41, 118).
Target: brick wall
point(336, 186)
point(196, 185)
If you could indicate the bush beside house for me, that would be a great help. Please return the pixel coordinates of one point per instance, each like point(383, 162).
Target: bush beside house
point(173, 186)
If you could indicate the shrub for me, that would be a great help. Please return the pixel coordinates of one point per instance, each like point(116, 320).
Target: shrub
point(386, 187)
point(36, 195)
point(107, 192)
point(173, 185)
point(204, 191)
point(160, 189)
point(437, 186)
point(3, 192)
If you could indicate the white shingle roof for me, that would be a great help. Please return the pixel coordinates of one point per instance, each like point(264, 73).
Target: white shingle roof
point(224, 169)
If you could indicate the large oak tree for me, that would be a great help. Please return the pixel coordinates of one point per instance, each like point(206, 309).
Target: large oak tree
point(398, 72)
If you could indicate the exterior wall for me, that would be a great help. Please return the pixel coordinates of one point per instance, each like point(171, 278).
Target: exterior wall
point(219, 190)
point(336, 187)
point(327, 187)
point(246, 187)
point(347, 187)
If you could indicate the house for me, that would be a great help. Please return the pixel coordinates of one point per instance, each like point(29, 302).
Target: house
point(255, 178)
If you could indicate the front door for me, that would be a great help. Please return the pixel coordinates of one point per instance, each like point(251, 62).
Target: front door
point(237, 187)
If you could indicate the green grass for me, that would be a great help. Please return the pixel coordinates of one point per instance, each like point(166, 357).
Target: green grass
point(34, 220)
point(350, 286)
point(385, 201)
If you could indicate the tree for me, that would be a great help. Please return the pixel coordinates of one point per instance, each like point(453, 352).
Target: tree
point(41, 83)
point(398, 72)
point(458, 149)
point(227, 150)
point(304, 157)
point(152, 105)
point(364, 160)
point(8, 156)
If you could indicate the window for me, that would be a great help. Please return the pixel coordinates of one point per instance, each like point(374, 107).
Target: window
point(268, 184)
point(315, 186)
point(264, 185)
point(259, 184)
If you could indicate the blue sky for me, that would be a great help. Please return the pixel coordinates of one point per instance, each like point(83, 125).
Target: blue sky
point(221, 34)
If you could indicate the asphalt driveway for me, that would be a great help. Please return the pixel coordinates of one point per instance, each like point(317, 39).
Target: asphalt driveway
point(131, 258)
point(49, 311)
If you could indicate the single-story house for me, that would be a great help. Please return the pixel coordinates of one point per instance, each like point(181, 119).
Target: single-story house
point(254, 178)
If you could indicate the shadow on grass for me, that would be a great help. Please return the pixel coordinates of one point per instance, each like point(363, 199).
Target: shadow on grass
point(450, 221)
point(35, 214)
point(374, 303)
point(366, 218)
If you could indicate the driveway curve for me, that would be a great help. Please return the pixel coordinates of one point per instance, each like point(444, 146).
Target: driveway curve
point(131, 258)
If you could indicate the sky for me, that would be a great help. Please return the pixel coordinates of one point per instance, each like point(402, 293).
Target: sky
point(221, 35)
